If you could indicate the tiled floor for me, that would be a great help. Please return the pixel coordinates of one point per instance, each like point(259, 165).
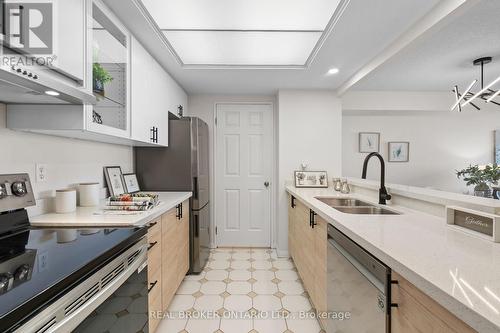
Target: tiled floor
point(241, 290)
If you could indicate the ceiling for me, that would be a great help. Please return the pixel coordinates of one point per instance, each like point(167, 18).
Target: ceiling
point(364, 29)
point(443, 58)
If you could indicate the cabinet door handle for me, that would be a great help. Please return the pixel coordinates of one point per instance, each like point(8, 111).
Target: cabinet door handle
point(155, 135)
point(151, 245)
point(312, 214)
point(180, 211)
point(293, 202)
point(152, 137)
point(152, 225)
point(151, 286)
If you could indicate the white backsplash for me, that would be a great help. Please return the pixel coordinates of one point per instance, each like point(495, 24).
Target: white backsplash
point(68, 161)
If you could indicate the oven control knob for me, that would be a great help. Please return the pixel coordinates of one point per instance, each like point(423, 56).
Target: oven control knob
point(19, 189)
point(22, 273)
point(3, 191)
point(5, 280)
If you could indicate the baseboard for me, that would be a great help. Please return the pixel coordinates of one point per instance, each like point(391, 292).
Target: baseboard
point(283, 253)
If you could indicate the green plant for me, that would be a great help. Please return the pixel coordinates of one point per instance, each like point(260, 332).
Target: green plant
point(100, 74)
point(480, 176)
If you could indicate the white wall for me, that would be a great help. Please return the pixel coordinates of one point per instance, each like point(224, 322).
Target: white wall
point(68, 161)
point(309, 131)
point(440, 143)
point(203, 106)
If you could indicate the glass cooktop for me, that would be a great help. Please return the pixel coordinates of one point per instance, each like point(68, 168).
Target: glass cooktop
point(37, 265)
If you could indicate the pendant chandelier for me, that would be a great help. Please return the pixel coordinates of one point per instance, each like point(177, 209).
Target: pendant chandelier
point(486, 94)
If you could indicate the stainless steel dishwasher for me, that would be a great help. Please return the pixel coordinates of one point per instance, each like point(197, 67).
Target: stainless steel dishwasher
point(358, 288)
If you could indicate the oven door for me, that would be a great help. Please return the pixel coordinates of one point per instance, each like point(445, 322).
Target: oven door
point(125, 311)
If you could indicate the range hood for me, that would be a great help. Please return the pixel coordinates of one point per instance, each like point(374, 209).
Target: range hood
point(20, 85)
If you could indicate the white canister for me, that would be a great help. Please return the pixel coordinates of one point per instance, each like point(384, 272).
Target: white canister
point(65, 201)
point(89, 194)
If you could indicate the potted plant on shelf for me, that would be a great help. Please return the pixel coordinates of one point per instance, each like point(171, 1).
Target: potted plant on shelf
point(482, 177)
point(100, 77)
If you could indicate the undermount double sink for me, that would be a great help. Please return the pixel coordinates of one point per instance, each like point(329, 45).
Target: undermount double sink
point(355, 206)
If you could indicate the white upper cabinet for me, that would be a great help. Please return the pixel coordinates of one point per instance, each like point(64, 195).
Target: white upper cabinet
point(110, 52)
point(70, 19)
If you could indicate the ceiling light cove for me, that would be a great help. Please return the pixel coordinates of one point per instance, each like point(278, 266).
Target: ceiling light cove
point(225, 33)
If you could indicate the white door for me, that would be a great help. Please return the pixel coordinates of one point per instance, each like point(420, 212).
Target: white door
point(244, 155)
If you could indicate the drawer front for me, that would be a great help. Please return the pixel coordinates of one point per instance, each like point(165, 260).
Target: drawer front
point(154, 231)
point(154, 259)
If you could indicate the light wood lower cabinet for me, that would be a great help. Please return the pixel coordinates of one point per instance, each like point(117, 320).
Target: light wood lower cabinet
point(307, 244)
point(168, 259)
point(418, 313)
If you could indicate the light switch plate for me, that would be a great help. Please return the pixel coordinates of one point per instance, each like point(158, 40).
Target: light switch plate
point(41, 172)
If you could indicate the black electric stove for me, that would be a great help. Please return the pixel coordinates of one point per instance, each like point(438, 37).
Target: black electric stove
point(38, 265)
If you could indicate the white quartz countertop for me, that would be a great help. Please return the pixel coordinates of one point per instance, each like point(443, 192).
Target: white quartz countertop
point(458, 270)
point(95, 216)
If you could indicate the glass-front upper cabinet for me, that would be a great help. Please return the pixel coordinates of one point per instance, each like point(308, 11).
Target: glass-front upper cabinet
point(110, 74)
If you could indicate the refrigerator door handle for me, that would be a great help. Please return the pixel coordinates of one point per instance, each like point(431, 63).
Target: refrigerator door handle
point(196, 226)
point(195, 185)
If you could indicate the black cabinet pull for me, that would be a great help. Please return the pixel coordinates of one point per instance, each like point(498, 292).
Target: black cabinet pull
point(312, 222)
point(151, 245)
point(178, 215)
point(180, 211)
point(151, 286)
point(152, 225)
point(155, 134)
point(152, 137)
point(293, 202)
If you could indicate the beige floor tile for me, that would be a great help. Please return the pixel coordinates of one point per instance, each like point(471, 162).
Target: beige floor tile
point(171, 325)
point(238, 303)
point(303, 325)
point(241, 255)
point(287, 275)
point(181, 303)
point(267, 303)
point(239, 288)
point(262, 264)
point(283, 264)
point(213, 287)
point(209, 303)
point(236, 325)
point(188, 287)
point(291, 287)
point(240, 275)
point(240, 264)
point(263, 275)
point(217, 275)
point(296, 303)
point(218, 264)
point(264, 287)
point(202, 325)
point(270, 325)
point(195, 277)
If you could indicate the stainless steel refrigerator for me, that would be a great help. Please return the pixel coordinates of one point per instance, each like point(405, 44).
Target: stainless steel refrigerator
point(183, 166)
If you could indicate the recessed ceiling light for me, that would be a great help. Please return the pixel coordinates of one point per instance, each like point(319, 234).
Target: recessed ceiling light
point(332, 71)
point(52, 93)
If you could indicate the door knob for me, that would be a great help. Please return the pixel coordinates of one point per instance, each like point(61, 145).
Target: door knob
point(266, 184)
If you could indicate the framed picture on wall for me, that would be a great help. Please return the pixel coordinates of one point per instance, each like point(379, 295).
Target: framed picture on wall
point(316, 179)
point(114, 180)
point(369, 142)
point(399, 151)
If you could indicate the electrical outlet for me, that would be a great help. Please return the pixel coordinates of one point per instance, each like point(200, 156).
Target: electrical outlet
point(43, 261)
point(41, 172)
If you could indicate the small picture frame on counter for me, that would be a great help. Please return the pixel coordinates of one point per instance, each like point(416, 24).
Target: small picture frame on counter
point(114, 180)
point(131, 183)
point(477, 223)
point(311, 179)
point(369, 142)
point(399, 151)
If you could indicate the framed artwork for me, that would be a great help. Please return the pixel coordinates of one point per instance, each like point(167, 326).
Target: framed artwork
point(399, 151)
point(497, 147)
point(369, 142)
point(316, 179)
point(114, 179)
point(131, 183)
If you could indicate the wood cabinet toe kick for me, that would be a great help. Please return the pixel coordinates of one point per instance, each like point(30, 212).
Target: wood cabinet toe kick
point(168, 259)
